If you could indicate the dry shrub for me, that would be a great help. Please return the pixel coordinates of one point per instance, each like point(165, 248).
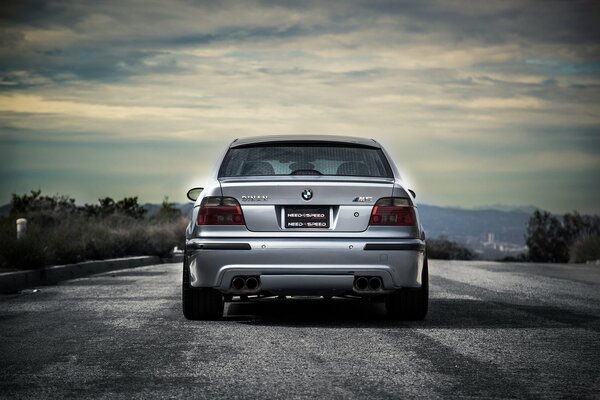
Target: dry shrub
point(442, 249)
point(586, 249)
point(65, 239)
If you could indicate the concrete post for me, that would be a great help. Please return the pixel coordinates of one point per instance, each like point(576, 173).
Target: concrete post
point(21, 228)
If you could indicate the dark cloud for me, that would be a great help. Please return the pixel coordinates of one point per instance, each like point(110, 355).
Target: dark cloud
point(475, 82)
point(27, 12)
point(96, 64)
point(99, 55)
point(245, 34)
point(493, 22)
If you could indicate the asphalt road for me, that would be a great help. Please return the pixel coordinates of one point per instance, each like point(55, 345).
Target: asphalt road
point(493, 331)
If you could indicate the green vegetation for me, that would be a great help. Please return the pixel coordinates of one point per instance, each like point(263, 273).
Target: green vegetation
point(587, 249)
point(443, 249)
point(575, 238)
point(59, 231)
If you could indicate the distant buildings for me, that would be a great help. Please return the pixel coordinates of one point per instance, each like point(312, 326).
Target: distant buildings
point(488, 248)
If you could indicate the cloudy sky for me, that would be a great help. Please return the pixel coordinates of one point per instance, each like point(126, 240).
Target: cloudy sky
point(480, 103)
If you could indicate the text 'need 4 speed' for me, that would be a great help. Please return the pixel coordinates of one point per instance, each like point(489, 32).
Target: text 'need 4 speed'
point(305, 216)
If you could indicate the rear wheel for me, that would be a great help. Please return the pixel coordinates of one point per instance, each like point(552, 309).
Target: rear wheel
point(200, 303)
point(408, 303)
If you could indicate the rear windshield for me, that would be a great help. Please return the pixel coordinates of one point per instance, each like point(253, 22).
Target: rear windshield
point(305, 159)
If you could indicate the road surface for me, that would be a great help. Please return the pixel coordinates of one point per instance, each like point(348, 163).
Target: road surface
point(493, 331)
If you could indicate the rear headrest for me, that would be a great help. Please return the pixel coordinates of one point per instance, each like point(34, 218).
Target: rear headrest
point(257, 168)
point(353, 168)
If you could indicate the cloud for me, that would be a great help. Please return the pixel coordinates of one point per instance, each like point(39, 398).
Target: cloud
point(448, 85)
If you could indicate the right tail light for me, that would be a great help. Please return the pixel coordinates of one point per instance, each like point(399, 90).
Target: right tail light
point(393, 211)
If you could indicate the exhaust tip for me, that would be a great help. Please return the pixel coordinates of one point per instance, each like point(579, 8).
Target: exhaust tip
point(361, 283)
point(375, 283)
point(251, 283)
point(238, 283)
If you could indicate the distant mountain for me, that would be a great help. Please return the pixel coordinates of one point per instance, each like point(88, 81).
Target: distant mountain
point(507, 223)
point(462, 225)
point(186, 209)
point(152, 209)
point(502, 207)
point(467, 226)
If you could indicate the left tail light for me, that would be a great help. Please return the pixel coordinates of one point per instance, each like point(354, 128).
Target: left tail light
point(393, 211)
point(216, 210)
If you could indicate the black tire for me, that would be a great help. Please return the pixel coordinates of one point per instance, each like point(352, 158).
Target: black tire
point(410, 304)
point(200, 303)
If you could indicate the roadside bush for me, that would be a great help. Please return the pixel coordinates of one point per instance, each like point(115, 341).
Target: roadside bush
point(64, 234)
point(587, 249)
point(551, 239)
point(517, 258)
point(168, 211)
point(443, 249)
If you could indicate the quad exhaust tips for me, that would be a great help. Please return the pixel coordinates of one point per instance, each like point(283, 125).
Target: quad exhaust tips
point(361, 283)
point(238, 283)
point(368, 284)
point(375, 283)
point(252, 283)
point(245, 283)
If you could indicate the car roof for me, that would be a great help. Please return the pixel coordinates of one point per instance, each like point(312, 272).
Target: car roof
point(305, 138)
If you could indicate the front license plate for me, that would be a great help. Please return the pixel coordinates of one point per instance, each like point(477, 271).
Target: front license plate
point(307, 217)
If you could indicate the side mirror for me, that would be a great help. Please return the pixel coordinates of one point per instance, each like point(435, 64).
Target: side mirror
point(193, 193)
point(413, 193)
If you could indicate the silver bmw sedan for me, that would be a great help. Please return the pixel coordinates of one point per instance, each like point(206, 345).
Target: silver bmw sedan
point(305, 215)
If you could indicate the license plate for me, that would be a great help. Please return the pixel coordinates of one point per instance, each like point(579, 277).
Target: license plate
point(307, 217)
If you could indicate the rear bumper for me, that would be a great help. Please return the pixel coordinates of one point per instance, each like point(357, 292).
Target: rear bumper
point(297, 266)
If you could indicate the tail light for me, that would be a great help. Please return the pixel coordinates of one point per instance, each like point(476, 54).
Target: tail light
point(393, 211)
point(220, 211)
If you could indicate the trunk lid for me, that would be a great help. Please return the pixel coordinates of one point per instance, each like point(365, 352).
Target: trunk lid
point(301, 204)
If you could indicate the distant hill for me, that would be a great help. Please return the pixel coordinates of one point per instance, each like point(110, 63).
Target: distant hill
point(465, 226)
point(461, 225)
point(152, 209)
point(502, 207)
point(186, 209)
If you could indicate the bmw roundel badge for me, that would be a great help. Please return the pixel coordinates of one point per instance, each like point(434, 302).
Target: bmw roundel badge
point(307, 194)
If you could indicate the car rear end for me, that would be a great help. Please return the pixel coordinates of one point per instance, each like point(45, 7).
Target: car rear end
point(324, 216)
